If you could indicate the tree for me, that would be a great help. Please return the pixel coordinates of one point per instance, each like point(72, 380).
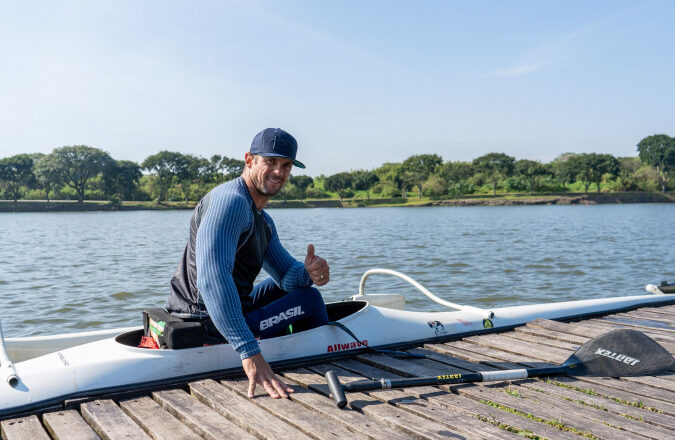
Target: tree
point(625, 178)
point(120, 178)
point(301, 183)
point(163, 166)
point(455, 172)
point(530, 171)
point(563, 169)
point(659, 151)
point(495, 167)
point(590, 167)
point(419, 167)
point(363, 180)
point(338, 183)
point(16, 172)
point(77, 165)
point(228, 167)
point(47, 173)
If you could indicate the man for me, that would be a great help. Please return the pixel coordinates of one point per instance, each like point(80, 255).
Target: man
point(231, 239)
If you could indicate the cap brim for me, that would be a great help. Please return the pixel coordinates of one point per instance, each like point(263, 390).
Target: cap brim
point(297, 163)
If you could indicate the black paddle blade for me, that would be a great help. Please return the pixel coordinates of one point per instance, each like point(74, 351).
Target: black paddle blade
point(619, 353)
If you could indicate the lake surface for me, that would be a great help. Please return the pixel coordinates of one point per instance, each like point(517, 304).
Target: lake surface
point(63, 272)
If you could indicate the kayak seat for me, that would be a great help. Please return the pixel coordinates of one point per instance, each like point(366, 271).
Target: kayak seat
point(175, 333)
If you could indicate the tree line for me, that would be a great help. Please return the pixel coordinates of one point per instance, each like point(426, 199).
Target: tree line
point(83, 172)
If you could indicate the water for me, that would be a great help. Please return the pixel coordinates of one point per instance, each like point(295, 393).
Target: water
point(63, 272)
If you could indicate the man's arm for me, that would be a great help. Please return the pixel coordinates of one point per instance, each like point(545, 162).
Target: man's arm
point(226, 218)
point(288, 272)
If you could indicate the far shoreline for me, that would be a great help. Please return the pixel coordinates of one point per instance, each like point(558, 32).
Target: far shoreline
point(472, 200)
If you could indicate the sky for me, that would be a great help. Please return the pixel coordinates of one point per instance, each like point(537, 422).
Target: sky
point(358, 83)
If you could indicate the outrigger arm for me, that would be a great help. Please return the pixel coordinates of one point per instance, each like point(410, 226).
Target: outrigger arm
point(7, 371)
point(482, 312)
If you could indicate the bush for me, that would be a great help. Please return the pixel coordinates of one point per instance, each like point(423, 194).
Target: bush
point(457, 189)
point(516, 184)
point(388, 189)
point(316, 193)
point(434, 186)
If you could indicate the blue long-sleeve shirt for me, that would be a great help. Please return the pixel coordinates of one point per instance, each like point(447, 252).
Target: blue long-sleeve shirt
point(228, 216)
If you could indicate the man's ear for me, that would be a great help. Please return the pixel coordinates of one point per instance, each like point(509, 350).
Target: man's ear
point(248, 159)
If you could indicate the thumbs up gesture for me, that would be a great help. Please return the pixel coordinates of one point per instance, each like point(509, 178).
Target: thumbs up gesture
point(317, 268)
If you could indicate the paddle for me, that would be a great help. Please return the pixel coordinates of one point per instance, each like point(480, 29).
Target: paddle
point(614, 354)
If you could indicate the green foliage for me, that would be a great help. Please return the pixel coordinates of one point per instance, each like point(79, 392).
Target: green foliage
point(339, 183)
point(455, 171)
point(316, 193)
point(364, 180)
point(76, 165)
point(15, 172)
point(120, 178)
point(591, 167)
point(457, 189)
point(418, 168)
point(530, 172)
point(659, 151)
point(435, 186)
point(495, 167)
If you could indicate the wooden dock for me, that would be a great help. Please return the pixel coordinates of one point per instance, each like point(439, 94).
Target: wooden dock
point(553, 408)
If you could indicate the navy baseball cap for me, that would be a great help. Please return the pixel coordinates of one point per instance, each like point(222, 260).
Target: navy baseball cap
point(275, 142)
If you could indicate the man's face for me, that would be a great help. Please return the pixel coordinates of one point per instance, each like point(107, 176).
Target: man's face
point(269, 174)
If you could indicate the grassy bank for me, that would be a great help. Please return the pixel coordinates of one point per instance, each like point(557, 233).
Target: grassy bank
point(473, 200)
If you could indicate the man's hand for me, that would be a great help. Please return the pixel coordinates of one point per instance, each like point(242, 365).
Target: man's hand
point(259, 372)
point(317, 268)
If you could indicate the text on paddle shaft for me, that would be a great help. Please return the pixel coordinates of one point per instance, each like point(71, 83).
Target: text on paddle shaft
point(616, 356)
point(288, 314)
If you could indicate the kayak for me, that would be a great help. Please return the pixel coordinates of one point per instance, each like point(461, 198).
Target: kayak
point(117, 364)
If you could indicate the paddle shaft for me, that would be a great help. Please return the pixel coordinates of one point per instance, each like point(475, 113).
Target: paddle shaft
point(338, 390)
point(454, 378)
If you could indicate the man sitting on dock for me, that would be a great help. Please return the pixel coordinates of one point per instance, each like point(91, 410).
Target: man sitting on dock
point(231, 239)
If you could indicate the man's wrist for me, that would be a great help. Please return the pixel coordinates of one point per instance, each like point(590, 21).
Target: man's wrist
point(249, 349)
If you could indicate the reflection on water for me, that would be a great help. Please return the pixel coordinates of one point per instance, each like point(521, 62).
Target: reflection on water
point(72, 271)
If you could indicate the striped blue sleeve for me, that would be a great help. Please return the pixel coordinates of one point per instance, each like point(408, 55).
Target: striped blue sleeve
point(288, 273)
point(227, 217)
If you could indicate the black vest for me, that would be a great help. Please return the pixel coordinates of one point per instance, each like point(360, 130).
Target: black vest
point(185, 300)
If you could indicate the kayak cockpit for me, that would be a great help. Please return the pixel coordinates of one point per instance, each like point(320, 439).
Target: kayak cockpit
point(336, 311)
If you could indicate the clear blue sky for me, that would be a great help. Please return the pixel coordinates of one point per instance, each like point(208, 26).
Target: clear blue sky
point(357, 83)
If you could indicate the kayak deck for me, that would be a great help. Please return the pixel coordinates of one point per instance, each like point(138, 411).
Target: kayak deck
point(563, 407)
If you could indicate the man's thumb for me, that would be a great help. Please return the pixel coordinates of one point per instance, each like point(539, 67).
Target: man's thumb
point(310, 252)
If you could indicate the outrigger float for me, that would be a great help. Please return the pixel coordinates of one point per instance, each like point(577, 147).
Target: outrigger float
point(53, 369)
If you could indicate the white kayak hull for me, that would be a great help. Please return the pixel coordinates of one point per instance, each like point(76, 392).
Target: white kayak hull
point(109, 365)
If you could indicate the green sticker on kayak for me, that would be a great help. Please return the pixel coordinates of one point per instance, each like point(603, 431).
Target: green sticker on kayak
point(487, 323)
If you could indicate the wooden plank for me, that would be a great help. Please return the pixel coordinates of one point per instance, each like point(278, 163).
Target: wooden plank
point(570, 329)
point(543, 341)
point(470, 356)
point(600, 415)
point(597, 401)
point(550, 414)
point(155, 420)
point(68, 425)
point(462, 411)
point(291, 411)
point(521, 348)
point(23, 428)
point(243, 412)
point(612, 390)
point(539, 406)
point(198, 417)
point(350, 419)
point(453, 361)
point(553, 335)
point(396, 418)
point(110, 422)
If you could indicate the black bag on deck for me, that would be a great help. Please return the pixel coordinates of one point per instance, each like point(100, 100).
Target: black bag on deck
point(171, 332)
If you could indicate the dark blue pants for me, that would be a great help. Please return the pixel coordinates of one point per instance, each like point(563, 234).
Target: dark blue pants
point(275, 309)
